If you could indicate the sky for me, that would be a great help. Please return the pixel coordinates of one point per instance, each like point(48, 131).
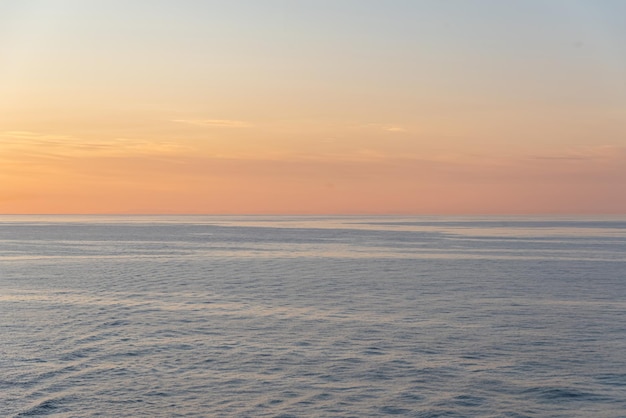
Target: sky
point(313, 107)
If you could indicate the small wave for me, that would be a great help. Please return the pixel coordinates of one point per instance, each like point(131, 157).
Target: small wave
point(557, 394)
point(468, 400)
point(45, 407)
point(392, 410)
point(439, 413)
point(612, 379)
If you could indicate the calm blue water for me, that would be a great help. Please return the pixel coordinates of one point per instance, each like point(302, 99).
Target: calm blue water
point(304, 316)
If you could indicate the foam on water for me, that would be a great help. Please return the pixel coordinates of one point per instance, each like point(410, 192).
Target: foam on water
point(312, 316)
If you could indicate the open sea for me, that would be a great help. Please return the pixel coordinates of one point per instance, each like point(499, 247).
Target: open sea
point(217, 316)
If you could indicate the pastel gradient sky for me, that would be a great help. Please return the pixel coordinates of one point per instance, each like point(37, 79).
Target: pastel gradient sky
point(313, 106)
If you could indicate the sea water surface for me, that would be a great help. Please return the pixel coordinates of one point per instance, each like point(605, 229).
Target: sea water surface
point(194, 316)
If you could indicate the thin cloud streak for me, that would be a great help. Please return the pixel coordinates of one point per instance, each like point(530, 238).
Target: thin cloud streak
point(596, 153)
point(221, 123)
point(56, 145)
point(386, 127)
point(395, 129)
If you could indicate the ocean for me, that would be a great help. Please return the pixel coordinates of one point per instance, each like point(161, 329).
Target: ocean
point(261, 316)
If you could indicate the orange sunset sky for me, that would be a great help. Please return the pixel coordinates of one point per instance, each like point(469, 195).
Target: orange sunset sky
point(298, 107)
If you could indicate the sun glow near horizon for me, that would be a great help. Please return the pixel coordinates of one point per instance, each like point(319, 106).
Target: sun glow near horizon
point(301, 107)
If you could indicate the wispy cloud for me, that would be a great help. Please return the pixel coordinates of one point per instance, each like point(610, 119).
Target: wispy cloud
point(385, 127)
point(222, 123)
point(58, 145)
point(20, 136)
point(394, 129)
point(595, 153)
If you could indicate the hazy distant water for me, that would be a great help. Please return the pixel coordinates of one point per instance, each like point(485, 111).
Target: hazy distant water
point(271, 316)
